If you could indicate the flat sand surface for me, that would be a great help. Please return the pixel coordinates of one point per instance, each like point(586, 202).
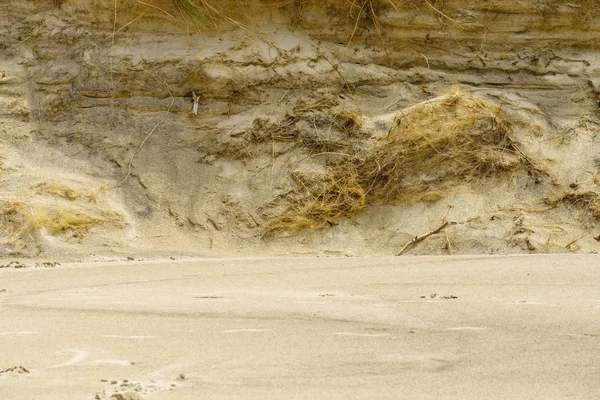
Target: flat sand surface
point(261, 328)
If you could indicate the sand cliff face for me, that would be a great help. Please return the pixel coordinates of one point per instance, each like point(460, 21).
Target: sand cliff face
point(101, 153)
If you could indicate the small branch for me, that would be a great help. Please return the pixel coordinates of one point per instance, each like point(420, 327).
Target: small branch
point(443, 15)
point(158, 8)
point(151, 132)
point(410, 244)
point(571, 243)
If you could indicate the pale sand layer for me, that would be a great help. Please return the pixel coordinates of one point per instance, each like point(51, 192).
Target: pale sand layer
point(460, 327)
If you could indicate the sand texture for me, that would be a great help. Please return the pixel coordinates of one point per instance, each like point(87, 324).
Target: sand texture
point(470, 327)
point(312, 128)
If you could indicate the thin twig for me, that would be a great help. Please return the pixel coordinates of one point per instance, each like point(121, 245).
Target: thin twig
point(151, 132)
point(443, 15)
point(130, 22)
point(158, 8)
point(572, 242)
point(335, 67)
point(42, 24)
point(288, 89)
point(418, 239)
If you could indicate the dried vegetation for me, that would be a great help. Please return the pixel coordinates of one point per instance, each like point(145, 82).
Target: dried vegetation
point(319, 126)
point(55, 188)
point(355, 14)
point(20, 220)
point(588, 202)
point(433, 147)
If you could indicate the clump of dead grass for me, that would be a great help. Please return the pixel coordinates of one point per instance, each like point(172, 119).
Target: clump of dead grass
point(20, 221)
point(348, 121)
point(453, 138)
point(56, 189)
point(357, 12)
point(434, 146)
point(314, 126)
point(338, 195)
point(588, 201)
point(328, 100)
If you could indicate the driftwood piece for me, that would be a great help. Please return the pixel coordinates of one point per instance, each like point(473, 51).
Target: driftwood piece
point(418, 239)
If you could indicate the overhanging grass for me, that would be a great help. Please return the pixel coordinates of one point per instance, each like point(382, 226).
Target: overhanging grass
point(434, 146)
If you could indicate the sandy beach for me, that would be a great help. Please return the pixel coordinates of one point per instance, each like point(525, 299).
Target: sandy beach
point(336, 199)
point(414, 327)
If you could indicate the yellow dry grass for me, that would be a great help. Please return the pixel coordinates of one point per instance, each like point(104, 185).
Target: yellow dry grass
point(243, 13)
point(588, 202)
point(20, 220)
point(457, 137)
point(55, 188)
point(339, 195)
point(433, 147)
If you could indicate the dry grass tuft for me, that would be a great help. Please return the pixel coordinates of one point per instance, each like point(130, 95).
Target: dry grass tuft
point(434, 146)
point(55, 188)
point(453, 138)
point(60, 221)
point(348, 121)
point(20, 221)
point(341, 196)
point(328, 100)
point(588, 201)
point(314, 126)
point(338, 194)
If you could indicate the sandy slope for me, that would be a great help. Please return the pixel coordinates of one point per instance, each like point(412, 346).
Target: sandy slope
point(433, 327)
point(101, 156)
